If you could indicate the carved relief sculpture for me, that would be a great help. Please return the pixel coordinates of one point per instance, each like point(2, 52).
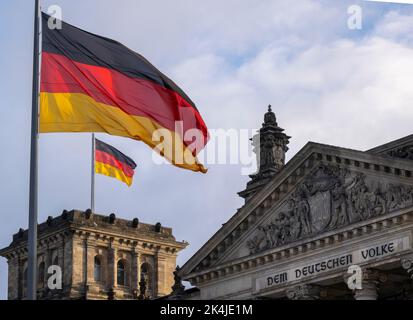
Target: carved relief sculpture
point(330, 198)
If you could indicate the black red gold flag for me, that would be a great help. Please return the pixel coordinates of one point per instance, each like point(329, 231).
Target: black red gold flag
point(112, 163)
point(94, 84)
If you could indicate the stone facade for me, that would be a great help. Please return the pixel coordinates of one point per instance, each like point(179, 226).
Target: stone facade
point(309, 222)
point(101, 257)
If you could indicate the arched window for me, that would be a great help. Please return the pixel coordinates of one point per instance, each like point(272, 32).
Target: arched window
point(40, 278)
point(121, 273)
point(97, 269)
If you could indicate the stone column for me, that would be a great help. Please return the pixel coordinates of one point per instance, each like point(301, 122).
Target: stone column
point(20, 282)
point(48, 263)
point(62, 260)
point(13, 278)
point(370, 285)
point(303, 292)
point(135, 272)
point(163, 281)
point(85, 263)
point(111, 266)
point(407, 264)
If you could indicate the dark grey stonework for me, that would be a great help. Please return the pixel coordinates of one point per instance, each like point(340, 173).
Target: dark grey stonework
point(270, 147)
point(330, 198)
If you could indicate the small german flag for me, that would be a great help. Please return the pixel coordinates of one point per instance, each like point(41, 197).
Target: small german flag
point(113, 163)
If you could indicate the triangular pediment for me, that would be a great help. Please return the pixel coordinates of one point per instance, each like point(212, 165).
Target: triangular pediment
point(331, 197)
point(401, 148)
point(322, 189)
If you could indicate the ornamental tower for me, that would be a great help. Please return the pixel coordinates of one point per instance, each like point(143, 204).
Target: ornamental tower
point(270, 147)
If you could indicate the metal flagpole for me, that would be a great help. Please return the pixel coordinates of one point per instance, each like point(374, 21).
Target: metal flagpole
point(32, 239)
point(92, 189)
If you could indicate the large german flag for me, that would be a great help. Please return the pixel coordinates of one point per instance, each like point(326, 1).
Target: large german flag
point(113, 163)
point(93, 84)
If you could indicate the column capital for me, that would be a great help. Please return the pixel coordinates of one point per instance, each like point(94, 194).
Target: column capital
point(374, 275)
point(407, 264)
point(371, 279)
point(303, 292)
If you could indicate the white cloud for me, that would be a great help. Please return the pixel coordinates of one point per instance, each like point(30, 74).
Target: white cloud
point(233, 58)
point(396, 26)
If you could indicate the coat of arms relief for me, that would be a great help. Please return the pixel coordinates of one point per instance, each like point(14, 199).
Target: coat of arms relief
point(330, 198)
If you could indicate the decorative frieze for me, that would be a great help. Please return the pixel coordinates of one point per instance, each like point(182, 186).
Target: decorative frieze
point(285, 253)
point(330, 198)
point(405, 152)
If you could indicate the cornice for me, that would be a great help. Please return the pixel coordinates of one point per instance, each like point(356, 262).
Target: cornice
point(321, 242)
point(125, 241)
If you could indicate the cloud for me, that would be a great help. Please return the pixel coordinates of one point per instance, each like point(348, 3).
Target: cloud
point(233, 58)
point(396, 26)
point(331, 92)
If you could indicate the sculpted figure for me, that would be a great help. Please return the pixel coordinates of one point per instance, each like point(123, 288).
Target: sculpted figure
point(254, 244)
point(379, 203)
point(355, 199)
point(295, 225)
point(279, 156)
point(302, 210)
point(269, 231)
point(340, 216)
point(275, 234)
point(269, 158)
point(397, 197)
point(284, 226)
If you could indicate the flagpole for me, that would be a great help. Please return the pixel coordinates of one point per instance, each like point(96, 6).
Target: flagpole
point(32, 237)
point(92, 188)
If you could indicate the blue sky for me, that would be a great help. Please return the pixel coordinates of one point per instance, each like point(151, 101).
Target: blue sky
point(326, 83)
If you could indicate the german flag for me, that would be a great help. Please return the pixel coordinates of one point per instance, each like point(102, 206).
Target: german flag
point(113, 163)
point(93, 84)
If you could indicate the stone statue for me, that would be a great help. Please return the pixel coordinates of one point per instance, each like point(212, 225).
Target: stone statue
point(177, 288)
point(279, 156)
point(142, 287)
point(269, 155)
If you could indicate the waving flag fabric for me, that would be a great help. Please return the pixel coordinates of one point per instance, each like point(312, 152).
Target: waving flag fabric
point(93, 84)
point(113, 163)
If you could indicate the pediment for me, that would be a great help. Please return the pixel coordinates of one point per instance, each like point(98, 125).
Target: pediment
point(329, 198)
point(401, 148)
point(322, 189)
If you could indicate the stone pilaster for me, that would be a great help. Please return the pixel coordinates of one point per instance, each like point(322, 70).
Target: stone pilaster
point(303, 292)
point(407, 264)
point(20, 275)
point(160, 274)
point(112, 266)
point(85, 262)
point(62, 260)
point(135, 276)
point(68, 263)
point(13, 284)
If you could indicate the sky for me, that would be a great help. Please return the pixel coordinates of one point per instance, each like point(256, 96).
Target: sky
point(327, 83)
